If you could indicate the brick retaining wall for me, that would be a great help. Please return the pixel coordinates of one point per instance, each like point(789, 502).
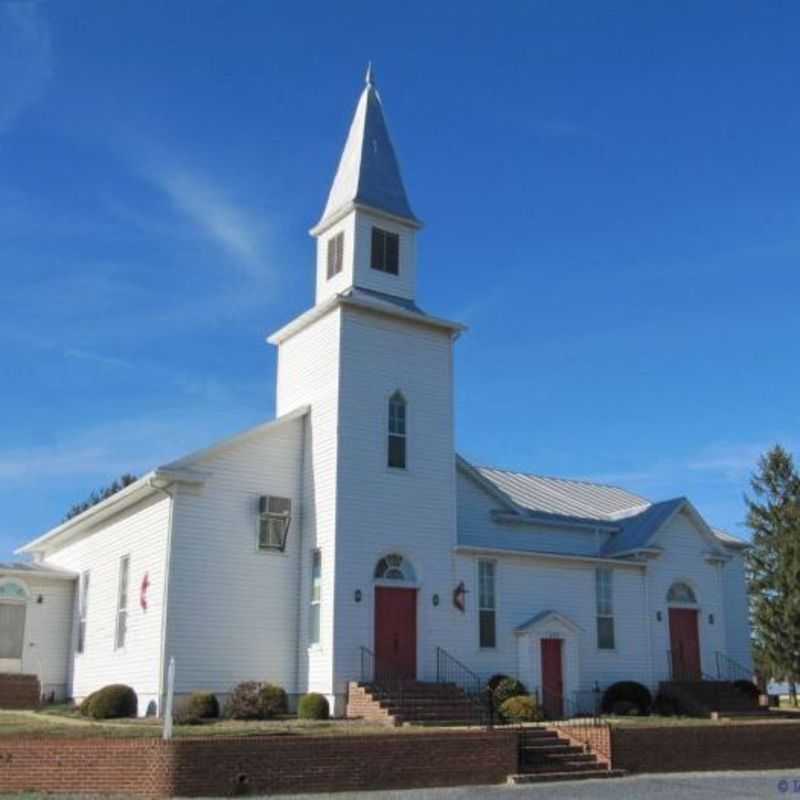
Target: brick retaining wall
point(686, 748)
point(262, 765)
point(19, 691)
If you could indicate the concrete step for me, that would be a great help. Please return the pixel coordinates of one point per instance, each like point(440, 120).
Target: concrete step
point(545, 777)
point(562, 748)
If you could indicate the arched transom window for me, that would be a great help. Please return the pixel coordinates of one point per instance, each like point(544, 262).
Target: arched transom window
point(394, 568)
point(397, 431)
point(681, 592)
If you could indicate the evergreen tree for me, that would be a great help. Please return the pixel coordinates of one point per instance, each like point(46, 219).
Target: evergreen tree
point(773, 515)
point(98, 495)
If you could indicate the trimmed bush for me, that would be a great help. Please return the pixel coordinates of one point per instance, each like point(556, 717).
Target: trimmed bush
point(748, 688)
point(243, 701)
point(495, 680)
point(506, 689)
point(194, 709)
point(313, 706)
point(624, 708)
point(665, 705)
point(112, 702)
point(272, 701)
point(627, 692)
point(83, 708)
point(521, 708)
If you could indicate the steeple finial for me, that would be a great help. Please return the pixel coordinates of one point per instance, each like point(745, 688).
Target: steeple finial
point(370, 76)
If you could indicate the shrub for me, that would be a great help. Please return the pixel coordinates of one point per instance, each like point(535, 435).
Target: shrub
point(110, 702)
point(625, 708)
point(628, 692)
point(748, 688)
point(83, 708)
point(272, 701)
point(521, 708)
point(313, 706)
point(506, 689)
point(194, 709)
point(495, 680)
point(243, 701)
point(665, 705)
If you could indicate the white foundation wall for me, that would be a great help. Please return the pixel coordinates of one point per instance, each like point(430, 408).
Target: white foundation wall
point(684, 559)
point(48, 626)
point(308, 374)
point(140, 532)
point(383, 510)
point(232, 608)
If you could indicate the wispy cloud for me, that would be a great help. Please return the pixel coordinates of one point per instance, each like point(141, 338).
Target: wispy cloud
point(735, 461)
point(98, 358)
point(210, 208)
point(25, 58)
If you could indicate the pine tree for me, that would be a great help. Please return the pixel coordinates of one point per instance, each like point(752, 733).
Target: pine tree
point(773, 515)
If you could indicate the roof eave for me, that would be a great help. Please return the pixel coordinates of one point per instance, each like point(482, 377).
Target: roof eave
point(468, 549)
point(555, 520)
point(355, 205)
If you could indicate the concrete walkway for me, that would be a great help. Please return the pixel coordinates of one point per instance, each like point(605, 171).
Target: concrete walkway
point(679, 786)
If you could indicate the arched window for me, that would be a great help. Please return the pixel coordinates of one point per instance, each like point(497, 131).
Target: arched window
point(13, 597)
point(394, 568)
point(397, 431)
point(681, 592)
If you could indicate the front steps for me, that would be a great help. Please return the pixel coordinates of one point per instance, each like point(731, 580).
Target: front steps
point(413, 703)
point(545, 757)
point(702, 698)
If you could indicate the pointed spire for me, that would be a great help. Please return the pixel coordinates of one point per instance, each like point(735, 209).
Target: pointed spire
point(368, 172)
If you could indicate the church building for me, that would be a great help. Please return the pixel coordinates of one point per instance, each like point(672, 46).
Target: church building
point(347, 535)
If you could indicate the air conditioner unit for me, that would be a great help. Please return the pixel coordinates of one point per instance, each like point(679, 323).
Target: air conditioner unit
point(278, 506)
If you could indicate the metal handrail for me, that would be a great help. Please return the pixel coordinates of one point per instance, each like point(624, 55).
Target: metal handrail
point(578, 725)
point(730, 670)
point(450, 670)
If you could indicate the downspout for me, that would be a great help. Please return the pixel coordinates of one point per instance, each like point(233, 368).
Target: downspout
point(649, 626)
point(164, 594)
point(300, 523)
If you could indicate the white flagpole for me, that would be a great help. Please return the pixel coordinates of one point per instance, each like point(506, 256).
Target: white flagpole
point(168, 701)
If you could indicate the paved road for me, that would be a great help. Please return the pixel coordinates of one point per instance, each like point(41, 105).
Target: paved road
point(683, 786)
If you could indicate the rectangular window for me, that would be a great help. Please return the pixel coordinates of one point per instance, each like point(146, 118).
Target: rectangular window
point(316, 597)
point(82, 608)
point(605, 608)
point(12, 630)
point(122, 602)
point(486, 603)
point(397, 431)
point(385, 251)
point(335, 254)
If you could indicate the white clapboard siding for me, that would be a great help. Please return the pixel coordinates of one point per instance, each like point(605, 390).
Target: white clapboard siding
point(383, 510)
point(738, 644)
point(684, 560)
point(141, 533)
point(232, 609)
point(308, 374)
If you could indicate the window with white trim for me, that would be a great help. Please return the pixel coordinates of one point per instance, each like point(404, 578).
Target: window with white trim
point(681, 592)
point(604, 591)
point(13, 599)
point(486, 604)
point(396, 452)
point(83, 605)
point(274, 517)
point(316, 597)
point(335, 254)
point(122, 602)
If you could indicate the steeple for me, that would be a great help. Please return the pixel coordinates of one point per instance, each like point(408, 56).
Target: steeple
point(368, 173)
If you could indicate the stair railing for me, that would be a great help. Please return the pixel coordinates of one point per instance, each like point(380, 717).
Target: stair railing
point(730, 670)
point(579, 724)
point(450, 670)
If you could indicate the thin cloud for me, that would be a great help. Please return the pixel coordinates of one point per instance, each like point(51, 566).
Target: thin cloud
point(218, 218)
point(25, 59)
point(88, 355)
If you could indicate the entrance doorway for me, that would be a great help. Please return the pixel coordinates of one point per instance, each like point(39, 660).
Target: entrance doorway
point(395, 632)
point(684, 644)
point(552, 678)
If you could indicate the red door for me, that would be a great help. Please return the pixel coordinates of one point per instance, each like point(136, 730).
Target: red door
point(395, 632)
point(685, 644)
point(552, 679)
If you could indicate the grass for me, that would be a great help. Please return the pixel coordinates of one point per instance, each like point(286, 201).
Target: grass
point(64, 722)
point(655, 721)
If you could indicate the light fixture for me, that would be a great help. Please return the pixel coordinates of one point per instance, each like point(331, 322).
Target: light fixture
point(357, 596)
point(436, 599)
point(710, 619)
point(658, 616)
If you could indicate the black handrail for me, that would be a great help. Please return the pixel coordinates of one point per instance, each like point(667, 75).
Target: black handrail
point(730, 670)
point(450, 670)
point(566, 716)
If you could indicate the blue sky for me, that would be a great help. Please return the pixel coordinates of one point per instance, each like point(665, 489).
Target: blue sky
point(610, 198)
